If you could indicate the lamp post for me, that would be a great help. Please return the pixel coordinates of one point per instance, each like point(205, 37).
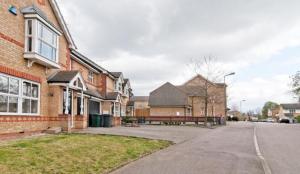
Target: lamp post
point(225, 95)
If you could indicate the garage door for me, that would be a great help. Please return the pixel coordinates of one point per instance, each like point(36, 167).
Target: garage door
point(94, 107)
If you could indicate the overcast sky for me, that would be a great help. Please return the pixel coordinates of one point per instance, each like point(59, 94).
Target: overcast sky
point(152, 41)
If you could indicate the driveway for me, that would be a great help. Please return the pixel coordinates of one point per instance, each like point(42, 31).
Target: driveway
point(197, 150)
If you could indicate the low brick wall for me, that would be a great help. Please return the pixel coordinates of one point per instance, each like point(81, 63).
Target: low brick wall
point(16, 124)
point(80, 122)
point(116, 121)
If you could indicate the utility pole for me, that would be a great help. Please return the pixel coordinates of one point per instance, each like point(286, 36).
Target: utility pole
point(225, 95)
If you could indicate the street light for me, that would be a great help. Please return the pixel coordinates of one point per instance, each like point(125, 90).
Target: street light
point(241, 105)
point(225, 95)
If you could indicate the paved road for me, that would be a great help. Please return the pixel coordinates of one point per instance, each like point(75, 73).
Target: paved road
point(280, 145)
point(224, 150)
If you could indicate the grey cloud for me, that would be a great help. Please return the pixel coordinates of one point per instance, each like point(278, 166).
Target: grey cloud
point(176, 30)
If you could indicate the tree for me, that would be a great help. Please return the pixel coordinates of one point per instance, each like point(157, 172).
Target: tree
point(268, 106)
point(207, 67)
point(296, 84)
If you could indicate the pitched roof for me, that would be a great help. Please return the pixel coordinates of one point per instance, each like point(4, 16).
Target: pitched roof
point(192, 90)
point(140, 98)
point(116, 74)
point(93, 93)
point(291, 106)
point(112, 96)
point(32, 9)
point(63, 77)
point(63, 23)
point(75, 53)
point(168, 95)
point(199, 76)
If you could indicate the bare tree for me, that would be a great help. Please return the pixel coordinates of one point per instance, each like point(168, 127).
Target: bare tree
point(296, 84)
point(208, 68)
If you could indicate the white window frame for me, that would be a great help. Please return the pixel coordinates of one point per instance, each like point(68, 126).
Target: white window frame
point(35, 38)
point(91, 76)
point(34, 54)
point(20, 97)
point(117, 111)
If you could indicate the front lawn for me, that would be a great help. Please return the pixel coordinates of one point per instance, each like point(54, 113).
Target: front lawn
point(73, 153)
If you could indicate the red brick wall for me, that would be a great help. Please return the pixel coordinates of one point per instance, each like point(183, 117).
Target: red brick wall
point(12, 62)
point(19, 74)
point(103, 84)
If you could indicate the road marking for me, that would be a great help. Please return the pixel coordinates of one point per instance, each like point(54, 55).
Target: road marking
point(264, 163)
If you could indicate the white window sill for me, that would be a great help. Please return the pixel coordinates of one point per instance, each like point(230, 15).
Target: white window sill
point(41, 60)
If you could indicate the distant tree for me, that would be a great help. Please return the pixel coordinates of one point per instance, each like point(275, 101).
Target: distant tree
point(258, 111)
point(296, 84)
point(268, 106)
point(250, 113)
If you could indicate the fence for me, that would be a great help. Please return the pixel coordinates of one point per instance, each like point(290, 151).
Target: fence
point(178, 119)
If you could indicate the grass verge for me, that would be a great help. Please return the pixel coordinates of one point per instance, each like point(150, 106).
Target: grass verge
point(74, 153)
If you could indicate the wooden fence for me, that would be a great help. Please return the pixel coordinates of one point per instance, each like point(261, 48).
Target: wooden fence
point(142, 112)
point(177, 119)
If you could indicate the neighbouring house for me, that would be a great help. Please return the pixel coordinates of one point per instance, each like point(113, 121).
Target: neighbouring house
point(238, 114)
point(289, 111)
point(121, 91)
point(44, 81)
point(188, 99)
point(103, 95)
point(140, 105)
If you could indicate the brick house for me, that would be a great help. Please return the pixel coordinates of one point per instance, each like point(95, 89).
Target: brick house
point(44, 81)
point(289, 111)
point(188, 99)
point(107, 92)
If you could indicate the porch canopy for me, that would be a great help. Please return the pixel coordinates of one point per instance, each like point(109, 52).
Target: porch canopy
point(70, 80)
point(114, 97)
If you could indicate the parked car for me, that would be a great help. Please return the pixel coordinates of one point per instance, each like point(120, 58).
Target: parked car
point(284, 120)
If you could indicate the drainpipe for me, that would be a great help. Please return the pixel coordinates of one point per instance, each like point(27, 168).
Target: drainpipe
point(81, 103)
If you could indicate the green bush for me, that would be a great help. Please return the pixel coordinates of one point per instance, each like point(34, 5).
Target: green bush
point(298, 119)
point(126, 119)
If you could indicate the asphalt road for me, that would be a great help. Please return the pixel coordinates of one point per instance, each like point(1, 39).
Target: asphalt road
point(280, 146)
point(224, 150)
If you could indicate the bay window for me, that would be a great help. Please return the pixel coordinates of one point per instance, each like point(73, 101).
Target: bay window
point(18, 96)
point(41, 42)
point(46, 42)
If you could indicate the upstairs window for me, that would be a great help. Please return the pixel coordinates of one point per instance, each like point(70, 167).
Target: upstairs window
point(41, 39)
point(118, 86)
point(46, 42)
point(91, 76)
point(292, 111)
